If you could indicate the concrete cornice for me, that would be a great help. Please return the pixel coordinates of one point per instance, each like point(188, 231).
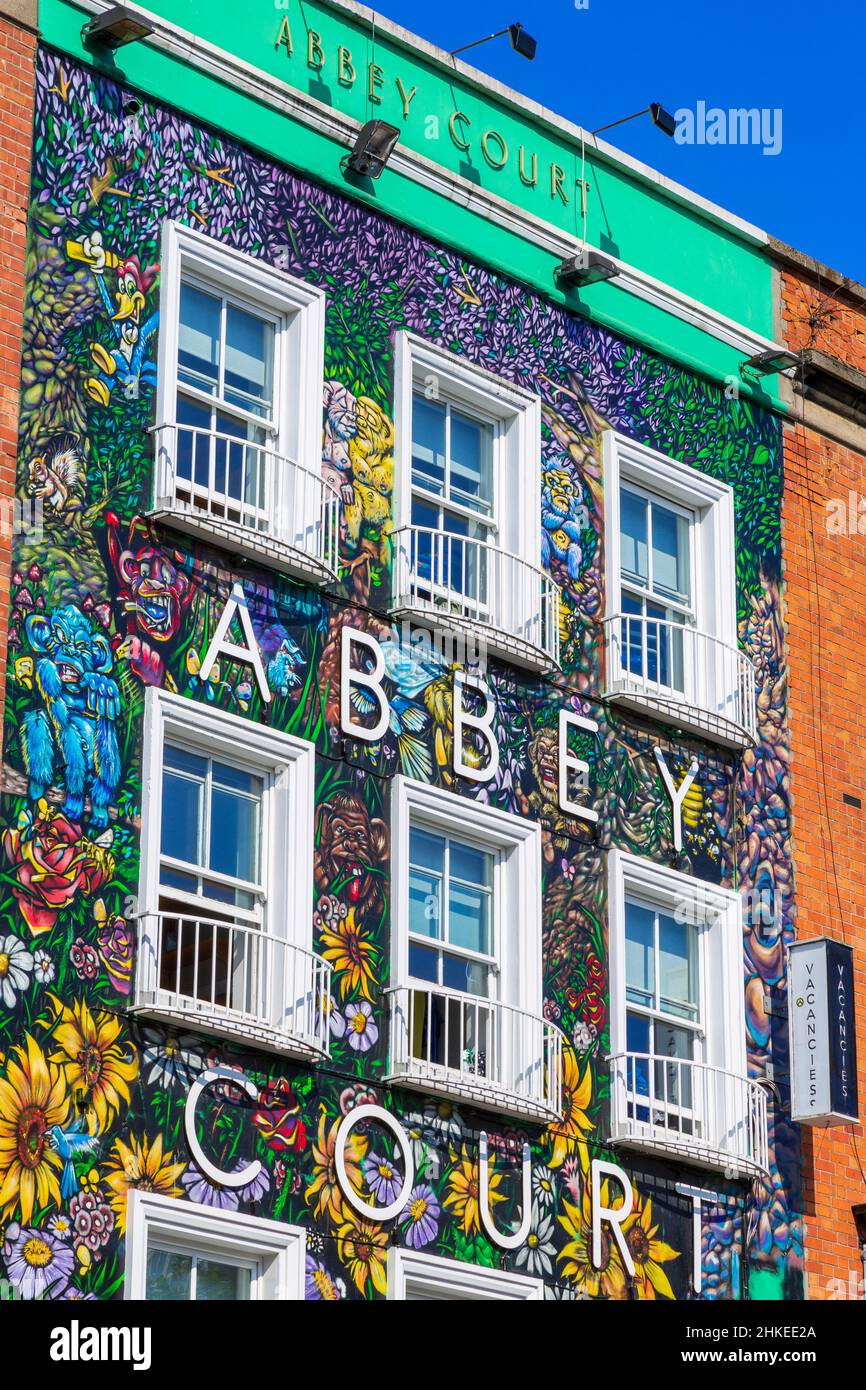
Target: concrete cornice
point(24, 13)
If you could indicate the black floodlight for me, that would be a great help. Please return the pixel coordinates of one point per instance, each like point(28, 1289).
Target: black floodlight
point(661, 119)
point(666, 123)
point(118, 26)
point(586, 267)
point(372, 149)
point(521, 42)
point(770, 362)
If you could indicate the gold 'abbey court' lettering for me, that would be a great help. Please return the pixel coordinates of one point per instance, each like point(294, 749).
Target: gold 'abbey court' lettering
point(492, 145)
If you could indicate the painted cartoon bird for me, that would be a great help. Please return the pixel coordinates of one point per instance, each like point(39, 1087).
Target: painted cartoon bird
point(71, 1142)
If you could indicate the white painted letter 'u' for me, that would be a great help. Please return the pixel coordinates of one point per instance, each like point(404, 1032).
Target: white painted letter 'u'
point(517, 1238)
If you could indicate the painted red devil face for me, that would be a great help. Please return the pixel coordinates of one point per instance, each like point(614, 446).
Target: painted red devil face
point(154, 591)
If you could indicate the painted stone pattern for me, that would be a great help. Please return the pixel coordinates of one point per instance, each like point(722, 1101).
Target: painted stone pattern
point(91, 1098)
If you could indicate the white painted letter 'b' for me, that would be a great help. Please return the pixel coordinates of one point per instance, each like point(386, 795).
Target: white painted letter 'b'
point(482, 723)
point(366, 680)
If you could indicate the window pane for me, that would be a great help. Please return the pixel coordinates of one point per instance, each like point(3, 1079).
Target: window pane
point(169, 1275)
point(670, 553)
point(471, 462)
point(234, 834)
point(678, 967)
point(198, 339)
point(423, 963)
point(472, 865)
point(193, 449)
point(425, 903)
point(215, 1280)
point(469, 918)
point(465, 975)
point(182, 801)
point(637, 1037)
point(639, 956)
point(673, 1084)
point(249, 361)
point(633, 536)
point(426, 850)
point(428, 444)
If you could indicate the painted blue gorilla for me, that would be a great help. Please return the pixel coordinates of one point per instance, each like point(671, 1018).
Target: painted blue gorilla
point(564, 516)
point(77, 724)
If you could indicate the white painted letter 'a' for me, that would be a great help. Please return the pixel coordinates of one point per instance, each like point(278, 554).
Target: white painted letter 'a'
point(221, 646)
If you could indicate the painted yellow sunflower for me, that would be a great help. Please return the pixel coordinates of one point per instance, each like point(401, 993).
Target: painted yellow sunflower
point(576, 1095)
point(323, 1193)
point(362, 1246)
point(609, 1281)
point(648, 1253)
point(33, 1099)
point(140, 1165)
point(463, 1190)
point(98, 1068)
point(349, 950)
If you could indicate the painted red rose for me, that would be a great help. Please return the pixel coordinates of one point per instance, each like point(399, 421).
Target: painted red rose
point(52, 862)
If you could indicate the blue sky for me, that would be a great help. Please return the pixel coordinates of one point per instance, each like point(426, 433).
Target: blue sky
point(598, 63)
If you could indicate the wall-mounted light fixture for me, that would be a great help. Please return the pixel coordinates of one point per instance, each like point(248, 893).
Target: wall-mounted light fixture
point(770, 362)
point(662, 119)
point(586, 267)
point(118, 26)
point(521, 42)
point(372, 149)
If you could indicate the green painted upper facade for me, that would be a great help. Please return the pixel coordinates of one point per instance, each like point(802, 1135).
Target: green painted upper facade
point(477, 166)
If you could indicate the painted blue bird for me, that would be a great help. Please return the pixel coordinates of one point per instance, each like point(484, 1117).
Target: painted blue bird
point(69, 1143)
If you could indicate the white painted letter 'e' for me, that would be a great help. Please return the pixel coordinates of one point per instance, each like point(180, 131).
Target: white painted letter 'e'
point(569, 762)
point(221, 646)
point(676, 794)
point(482, 723)
point(240, 1177)
point(368, 680)
point(615, 1215)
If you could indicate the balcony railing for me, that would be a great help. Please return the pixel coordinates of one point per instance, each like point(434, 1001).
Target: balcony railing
point(463, 582)
point(243, 493)
point(689, 1110)
point(693, 679)
point(486, 1052)
point(233, 979)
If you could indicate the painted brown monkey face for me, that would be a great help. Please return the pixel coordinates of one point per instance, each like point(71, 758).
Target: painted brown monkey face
point(352, 848)
point(544, 753)
point(155, 592)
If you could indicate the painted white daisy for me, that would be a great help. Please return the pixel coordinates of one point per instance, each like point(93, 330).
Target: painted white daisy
point(536, 1256)
point(16, 967)
point(45, 969)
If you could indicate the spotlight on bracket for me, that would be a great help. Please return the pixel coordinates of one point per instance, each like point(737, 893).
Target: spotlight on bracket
point(118, 26)
point(372, 149)
point(770, 362)
point(586, 267)
point(520, 41)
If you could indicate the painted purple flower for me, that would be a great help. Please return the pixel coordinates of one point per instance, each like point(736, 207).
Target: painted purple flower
point(318, 1284)
point(38, 1263)
point(382, 1179)
point(200, 1189)
point(257, 1188)
point(84, 959)
point(362, 1030)
point(116, 942)
point(421, 1216)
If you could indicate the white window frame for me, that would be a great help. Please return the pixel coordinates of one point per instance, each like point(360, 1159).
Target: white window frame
point(289, 765)
point(274, 1249)
point(516, 913)
point(436, 1277)
point(516, 514)
point(720, 947)
point(299, 349)
point(712, 540)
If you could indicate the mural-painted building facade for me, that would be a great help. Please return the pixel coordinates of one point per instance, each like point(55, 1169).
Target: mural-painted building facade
point(396, 743)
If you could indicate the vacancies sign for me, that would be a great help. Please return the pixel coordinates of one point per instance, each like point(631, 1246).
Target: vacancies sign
point(823, 1044)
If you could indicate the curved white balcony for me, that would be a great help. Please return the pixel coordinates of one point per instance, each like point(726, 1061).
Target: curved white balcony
point(688, 678)
point(244, 496)
point(469, 585)
point(479, 1050)
point(235, 980)
point(689, 1110)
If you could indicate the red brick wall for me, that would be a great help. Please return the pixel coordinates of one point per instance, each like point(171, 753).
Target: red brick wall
point(17, 79)
point(825, 577)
